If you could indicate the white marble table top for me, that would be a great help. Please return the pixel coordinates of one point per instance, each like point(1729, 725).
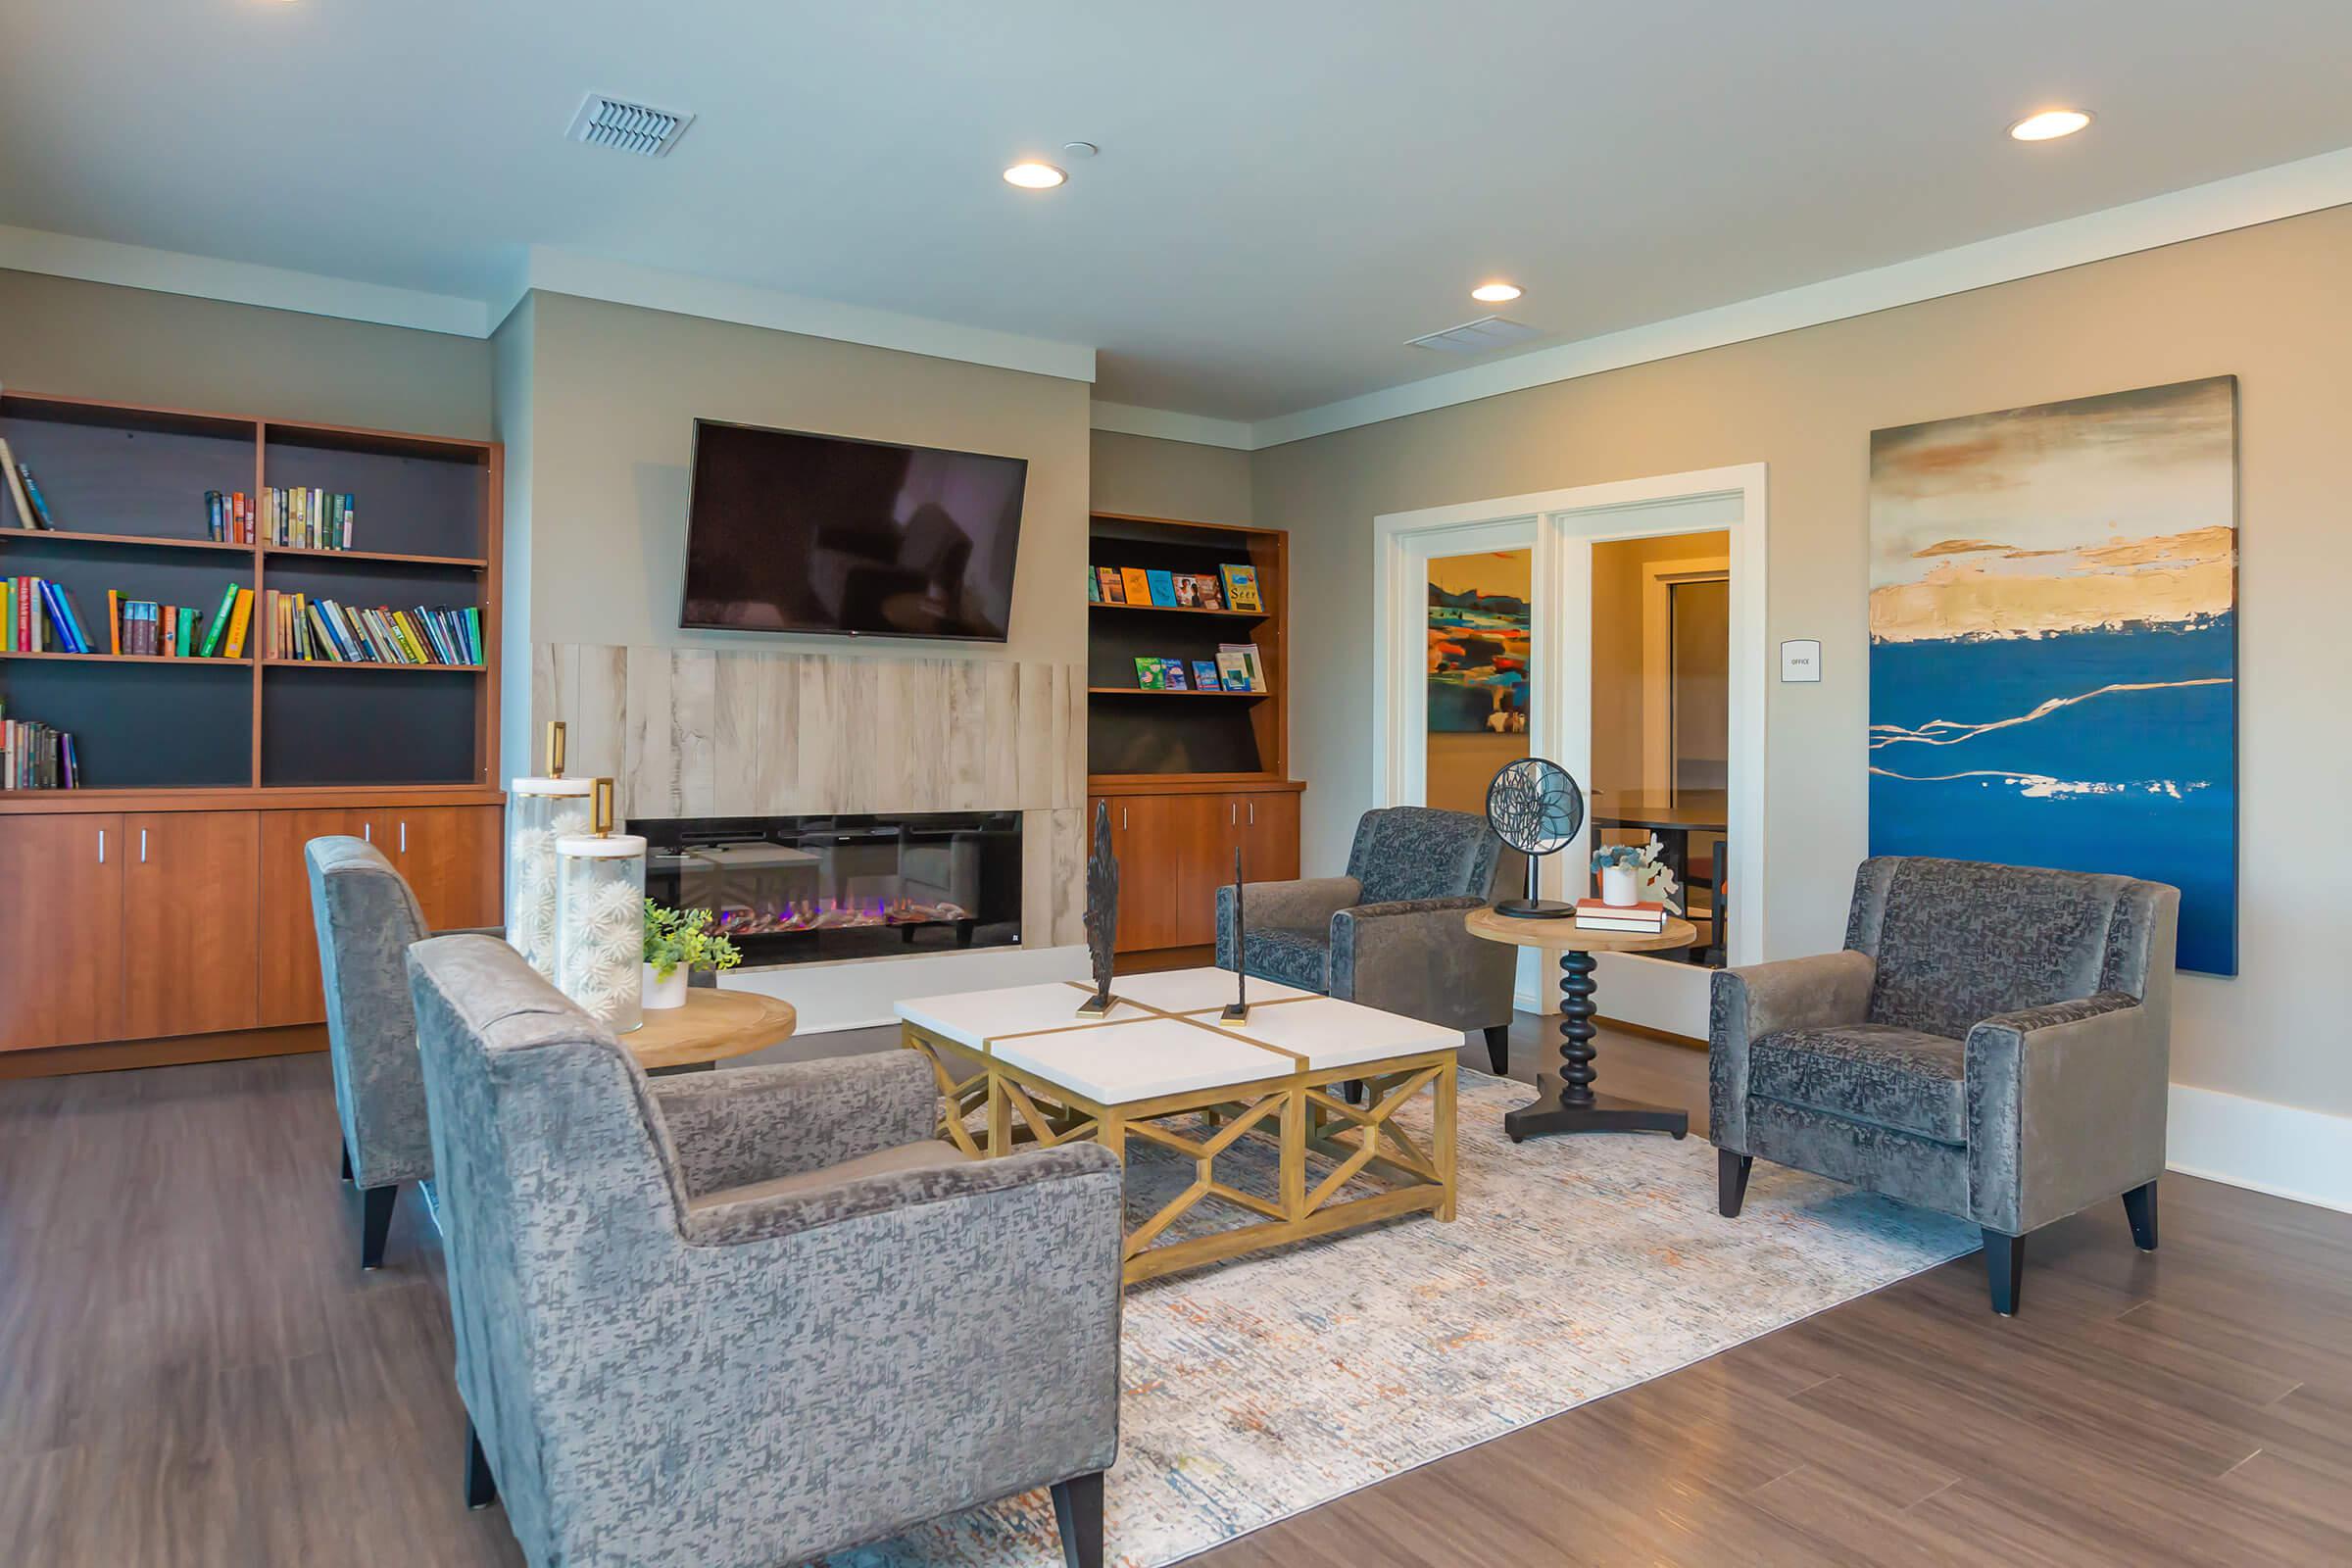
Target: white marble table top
point(1196, 990)
point(1330, 1033)
point(974, 1017)
point(1115, 1064)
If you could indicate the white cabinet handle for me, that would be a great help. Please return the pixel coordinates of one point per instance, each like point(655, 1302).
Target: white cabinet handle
point(404, 835)
point(102, 845)
point(367, 831)
point(142, 846)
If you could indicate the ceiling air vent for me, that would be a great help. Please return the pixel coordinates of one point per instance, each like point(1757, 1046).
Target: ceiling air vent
point(1481, 337)
point(628, 127)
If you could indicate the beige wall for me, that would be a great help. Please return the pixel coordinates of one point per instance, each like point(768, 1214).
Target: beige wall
point(1147, 477)
point(2270, 305)
point(128, 345)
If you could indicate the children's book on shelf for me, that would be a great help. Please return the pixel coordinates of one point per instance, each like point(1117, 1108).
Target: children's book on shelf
point(1172, 675)
point(1093, 587)
point(1241, 587)
point(1150, 675)
point(1188, 591)
point(1137, 583)
point(1207, 591)
point(1163, 587)
point(1239, 661)
point(1115, 586)
point(1205, 676)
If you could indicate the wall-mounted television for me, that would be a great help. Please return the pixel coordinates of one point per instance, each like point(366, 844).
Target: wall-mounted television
point(796, 532)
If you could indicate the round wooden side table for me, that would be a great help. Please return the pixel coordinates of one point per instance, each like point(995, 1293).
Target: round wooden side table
point(713, 1026)
point(1567, 1104)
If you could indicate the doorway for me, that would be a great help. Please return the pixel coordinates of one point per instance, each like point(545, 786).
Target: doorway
point(1565, 533)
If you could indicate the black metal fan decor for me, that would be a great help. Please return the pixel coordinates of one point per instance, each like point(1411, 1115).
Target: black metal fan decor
point(1537, 809)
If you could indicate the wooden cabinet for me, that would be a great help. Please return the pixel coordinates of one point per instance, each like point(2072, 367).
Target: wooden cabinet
point(188, 931)
point(61, 930)
point(452, 856)
point(1175, 850)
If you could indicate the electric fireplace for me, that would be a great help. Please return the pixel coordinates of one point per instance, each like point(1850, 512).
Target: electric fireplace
point(803, 889)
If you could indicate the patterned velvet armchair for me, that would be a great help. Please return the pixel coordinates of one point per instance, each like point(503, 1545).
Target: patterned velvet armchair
point(1390, 934)
point(366, 917)
point(1994, 1042)
point(750, 1317)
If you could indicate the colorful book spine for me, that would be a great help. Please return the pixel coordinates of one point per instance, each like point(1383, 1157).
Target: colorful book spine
point(220, 621)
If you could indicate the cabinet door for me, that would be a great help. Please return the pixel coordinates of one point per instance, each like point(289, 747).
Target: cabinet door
point(190, 899)
point(61, 930)
point(1267, 830)
point(1214, 833)
point(289, 942)
point(451, 856)
point(1147, 881)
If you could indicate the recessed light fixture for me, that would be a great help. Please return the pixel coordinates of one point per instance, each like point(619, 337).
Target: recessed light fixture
point(1495, 293)
point(2049, 124)
point(1030, 175)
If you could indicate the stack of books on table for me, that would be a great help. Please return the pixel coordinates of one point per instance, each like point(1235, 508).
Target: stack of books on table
point(1645, 919)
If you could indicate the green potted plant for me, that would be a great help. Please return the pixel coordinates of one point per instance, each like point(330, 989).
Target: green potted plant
point(678, 941)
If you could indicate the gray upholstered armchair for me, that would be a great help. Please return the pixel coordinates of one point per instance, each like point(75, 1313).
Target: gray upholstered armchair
point(366, 917)
point(750, 1317)
point(1994, 1042)
point(1389, 933)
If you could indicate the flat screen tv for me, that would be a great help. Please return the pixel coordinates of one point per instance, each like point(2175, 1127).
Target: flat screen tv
point(791, 532)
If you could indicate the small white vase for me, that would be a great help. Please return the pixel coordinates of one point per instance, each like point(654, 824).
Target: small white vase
point(660, 993)
point(1618, 888)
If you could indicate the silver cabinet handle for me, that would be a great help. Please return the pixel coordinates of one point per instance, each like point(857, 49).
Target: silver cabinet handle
point(102, 845)
point(1233, 813)
point(404, 835)
point(142, 846)
point(1122, 819)
point(367, 831)
point(1253, 813)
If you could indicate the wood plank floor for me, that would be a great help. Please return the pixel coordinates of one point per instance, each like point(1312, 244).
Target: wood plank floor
point(193, 1370)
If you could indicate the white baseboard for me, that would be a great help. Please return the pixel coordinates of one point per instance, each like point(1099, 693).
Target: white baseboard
point(860, 994)
point(2279, 1150)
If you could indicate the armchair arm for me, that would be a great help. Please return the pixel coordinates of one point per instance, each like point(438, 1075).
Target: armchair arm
point(1415, 956)
point(1302, 905)
point(1747, 1003)
point(498, 931)
point(750, 1124)
point(2066, 1107)
point(761, 1219)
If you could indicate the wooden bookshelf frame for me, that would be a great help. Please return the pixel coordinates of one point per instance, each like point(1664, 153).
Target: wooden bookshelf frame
point(21, 550)
point(1268, 550)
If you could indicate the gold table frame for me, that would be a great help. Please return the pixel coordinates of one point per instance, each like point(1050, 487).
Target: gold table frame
point(1294, 1106)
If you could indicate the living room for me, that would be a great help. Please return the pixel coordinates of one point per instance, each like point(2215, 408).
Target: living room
point(1681, 927)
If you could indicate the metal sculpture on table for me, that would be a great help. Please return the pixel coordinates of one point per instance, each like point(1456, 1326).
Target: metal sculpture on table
point(1102, 913)
point(1237, 1011)
point(1537, 809)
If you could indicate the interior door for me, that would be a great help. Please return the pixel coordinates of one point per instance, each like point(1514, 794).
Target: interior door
point(451, 857)
point(61, 930)
point(290, 989)
point(190, 891)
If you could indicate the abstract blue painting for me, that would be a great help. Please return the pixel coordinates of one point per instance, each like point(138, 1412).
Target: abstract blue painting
point(2053, 644)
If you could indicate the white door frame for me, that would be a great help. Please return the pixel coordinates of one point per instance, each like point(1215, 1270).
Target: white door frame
point(1658, 579)
point(1559, 722)
point(1421, 547)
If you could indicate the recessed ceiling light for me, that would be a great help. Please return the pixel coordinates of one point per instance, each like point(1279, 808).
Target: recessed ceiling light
point(2049, 124)
point(1033, 175)
point(1495, 293)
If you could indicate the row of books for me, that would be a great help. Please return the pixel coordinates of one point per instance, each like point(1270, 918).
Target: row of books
point(38, 616)
point(1226, 588)
point(302, 627)
point(32, 508)
point(36, 757)
point(180, 631)
point(294, 518)
point(1236, 668)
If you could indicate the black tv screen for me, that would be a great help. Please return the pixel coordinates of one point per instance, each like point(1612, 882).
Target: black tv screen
point(789, 531)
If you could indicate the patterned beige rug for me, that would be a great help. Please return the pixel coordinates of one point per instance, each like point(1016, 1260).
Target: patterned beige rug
point(1577, 1266)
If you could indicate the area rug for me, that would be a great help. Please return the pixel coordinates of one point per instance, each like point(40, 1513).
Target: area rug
point(1577, 1266)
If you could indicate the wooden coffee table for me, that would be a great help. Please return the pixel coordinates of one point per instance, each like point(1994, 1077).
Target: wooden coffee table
point(713, 1026)
point(1039, 1076)
point(1567, 1104)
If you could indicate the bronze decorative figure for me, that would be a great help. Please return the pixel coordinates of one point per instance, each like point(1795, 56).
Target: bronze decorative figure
point(1237, 1011)
point(1102, 913)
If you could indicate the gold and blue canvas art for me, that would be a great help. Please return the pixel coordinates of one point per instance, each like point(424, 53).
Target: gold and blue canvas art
point(2053, 644)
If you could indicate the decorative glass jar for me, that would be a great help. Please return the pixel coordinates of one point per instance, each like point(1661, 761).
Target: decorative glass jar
point(599, 919)
point(539, 811)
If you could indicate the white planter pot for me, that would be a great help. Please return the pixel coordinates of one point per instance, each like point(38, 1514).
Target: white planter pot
point(660, 993)
point(1618, 887)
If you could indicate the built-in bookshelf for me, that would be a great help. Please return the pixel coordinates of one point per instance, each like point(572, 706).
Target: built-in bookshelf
point(124, 488)
point(1141, 736)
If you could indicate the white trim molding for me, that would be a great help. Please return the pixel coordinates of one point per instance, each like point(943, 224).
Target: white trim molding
point(2281, 1149)
point(1121, 419)
point(208, 277)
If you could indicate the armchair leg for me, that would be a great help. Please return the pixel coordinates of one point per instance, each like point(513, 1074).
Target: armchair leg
point(1078, 1510)
point(2004, 1269)
point(2139, 1206)
point(1731, 1181)
point(481, 1487)
point(375, 1222)
point(1498, 1048)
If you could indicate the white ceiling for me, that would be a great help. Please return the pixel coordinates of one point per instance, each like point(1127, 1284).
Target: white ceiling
point(1287, 190)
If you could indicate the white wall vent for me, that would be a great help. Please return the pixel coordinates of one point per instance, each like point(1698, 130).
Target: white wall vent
point(628, 127)
point(1481, 337)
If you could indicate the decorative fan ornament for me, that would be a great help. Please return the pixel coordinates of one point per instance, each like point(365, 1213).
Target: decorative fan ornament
point(1537, 809)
